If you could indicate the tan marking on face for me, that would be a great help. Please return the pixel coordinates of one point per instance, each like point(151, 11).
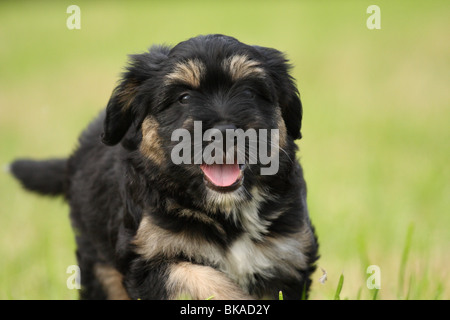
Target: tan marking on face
point(282, 129)
point(151, 145)
point(193, 281)
point(111, 281)
point(189, 72)
point(241, 66)
point(125, 95)
point(188, 123)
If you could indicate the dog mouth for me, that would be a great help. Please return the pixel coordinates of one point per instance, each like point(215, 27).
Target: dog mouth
point(223, 177)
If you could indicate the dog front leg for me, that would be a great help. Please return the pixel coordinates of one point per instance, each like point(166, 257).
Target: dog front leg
point(195, 281)
point(179, 280)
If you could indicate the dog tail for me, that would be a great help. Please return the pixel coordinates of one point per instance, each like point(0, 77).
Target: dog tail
point(45, 177)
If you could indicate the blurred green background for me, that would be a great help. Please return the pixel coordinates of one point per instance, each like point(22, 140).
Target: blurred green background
point(376, 126)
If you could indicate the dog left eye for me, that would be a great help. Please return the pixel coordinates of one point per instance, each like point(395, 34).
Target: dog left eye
point(248, 94)
point(184, 98)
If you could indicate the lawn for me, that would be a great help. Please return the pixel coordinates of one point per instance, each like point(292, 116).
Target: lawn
point(375, 147)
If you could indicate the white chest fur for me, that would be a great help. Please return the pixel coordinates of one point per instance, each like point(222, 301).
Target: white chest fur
point(283, 256)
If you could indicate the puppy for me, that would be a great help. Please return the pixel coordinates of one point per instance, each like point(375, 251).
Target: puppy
point(151, 226)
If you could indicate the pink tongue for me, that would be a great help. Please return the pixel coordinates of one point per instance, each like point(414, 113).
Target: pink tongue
point(222, 175)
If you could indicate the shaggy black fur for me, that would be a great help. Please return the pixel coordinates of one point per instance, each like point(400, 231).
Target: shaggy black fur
point(149, 229)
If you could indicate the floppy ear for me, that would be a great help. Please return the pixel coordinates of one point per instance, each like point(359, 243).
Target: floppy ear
point(123, 106)
point(288, 95)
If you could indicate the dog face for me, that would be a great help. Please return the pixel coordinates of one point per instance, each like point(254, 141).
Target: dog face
point(207, 86)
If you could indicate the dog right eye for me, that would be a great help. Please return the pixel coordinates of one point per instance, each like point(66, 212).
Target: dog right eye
point(184, 98)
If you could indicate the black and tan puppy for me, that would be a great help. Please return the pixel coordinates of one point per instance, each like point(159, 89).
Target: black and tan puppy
point(149, 228)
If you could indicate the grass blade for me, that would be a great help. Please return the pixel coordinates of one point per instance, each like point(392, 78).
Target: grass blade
point(358, 295)
point(304, 297)
point(405, 254)
point(337, 295)
point(408, 292)
point(439, 290)
point(375, 294)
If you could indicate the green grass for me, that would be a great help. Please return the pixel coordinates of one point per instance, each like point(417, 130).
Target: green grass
point(403, 263)
point(375, 148)
point(337, 295)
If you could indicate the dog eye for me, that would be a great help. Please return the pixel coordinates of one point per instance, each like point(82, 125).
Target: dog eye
point(248, 94)
point(184, 98)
